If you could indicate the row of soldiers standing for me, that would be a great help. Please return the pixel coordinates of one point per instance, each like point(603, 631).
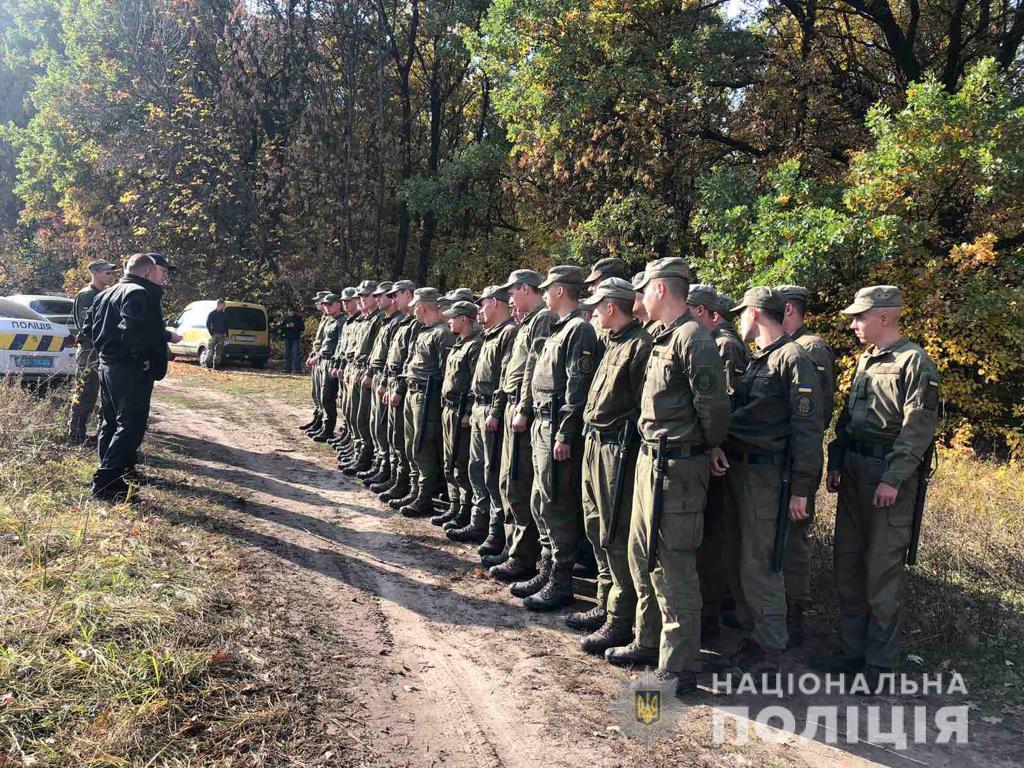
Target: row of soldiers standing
point(587, 415)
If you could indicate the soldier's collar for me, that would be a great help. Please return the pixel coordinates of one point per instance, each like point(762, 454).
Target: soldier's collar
point(683, 318)
point(784, 338)
point(880, 351)
point(488, 332)
point(634, 323)
point(578, 312)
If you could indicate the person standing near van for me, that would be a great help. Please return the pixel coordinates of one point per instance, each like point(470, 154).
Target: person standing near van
point(102, 275)
point(217, 325)
point(292, 326)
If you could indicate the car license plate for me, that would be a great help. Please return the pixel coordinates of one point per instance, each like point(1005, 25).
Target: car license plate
point(34, 362)
point(245, 338)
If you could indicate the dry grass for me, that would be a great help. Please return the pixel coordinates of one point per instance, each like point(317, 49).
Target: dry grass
point(125, 639)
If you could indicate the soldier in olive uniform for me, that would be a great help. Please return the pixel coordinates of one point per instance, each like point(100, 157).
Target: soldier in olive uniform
point(775, 434)
point(397, 483)
point(336, 370)
point(315, 374)
point(457, 294)
point(456, 407)
point(875, 464)
point(102, 275)
point(380, 468)
point(325, 353)
point(702, 302)
point(604, 269)
point(361, 388)
point(684, 411)
point(423, 413)
point(516, 481)
point(487, 514)
point(558, 388)
point(353, 338)
point(798, 543)
point(609, 464)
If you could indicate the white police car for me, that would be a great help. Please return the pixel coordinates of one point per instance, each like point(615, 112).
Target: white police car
point(32, 347)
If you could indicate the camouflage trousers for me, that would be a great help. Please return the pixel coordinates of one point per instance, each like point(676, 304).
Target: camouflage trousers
point(316, 374)
point(515, 489)
point(215, 351)
point(409, 415)
point(673, 583)
point(396, 436)
point(798, 559)
point(379, 419)
point(85, 394)
point(870, 552)
point(751, 519)
point(485, 451)
point(364, 424)
point(557, 498)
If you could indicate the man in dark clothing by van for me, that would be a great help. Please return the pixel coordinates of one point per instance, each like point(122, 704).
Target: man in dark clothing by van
point(292, 326)
point(217, 325)
point(126, 326)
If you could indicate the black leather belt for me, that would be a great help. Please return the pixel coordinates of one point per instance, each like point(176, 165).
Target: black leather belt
point(682, 452)
point(872, 450)
point(451, 402)
point(605, 437)
point(755, 457)
point(417, 386)
point(483, 399)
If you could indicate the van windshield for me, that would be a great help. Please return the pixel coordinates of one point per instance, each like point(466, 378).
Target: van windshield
point(246, 319)
point(52, 306)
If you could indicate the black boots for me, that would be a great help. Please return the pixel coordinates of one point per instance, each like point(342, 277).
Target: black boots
point(556, 593)
point(587, 621)
point(534, 585)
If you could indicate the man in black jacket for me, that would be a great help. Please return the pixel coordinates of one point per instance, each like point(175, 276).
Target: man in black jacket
point(292, 326)
point(126, 326)
point(217, 326)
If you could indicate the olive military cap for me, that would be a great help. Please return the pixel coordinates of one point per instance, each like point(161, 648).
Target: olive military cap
point(725, 305)
point(638, 280)
point(101, 266)
point(320, 296)
point(331, 298)
point(402, 285)
point(461, 309)
point(383, 288)
point(702, 295)
point(460, 294)
point(671, 266)
point(348, 294)
point(496, 292)
point(875, 296)
point(763, 297)
point(567, 274)
point(367, 287)
point(611, 288)
point(523, 277)
point(604, 269)
point(793, 293)
point(425, 296)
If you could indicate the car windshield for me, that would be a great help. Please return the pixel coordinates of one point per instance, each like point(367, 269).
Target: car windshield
point(246, 319)
point(18, 311)
point(52, 306)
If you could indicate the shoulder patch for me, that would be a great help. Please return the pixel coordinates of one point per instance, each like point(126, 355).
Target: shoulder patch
point(804, 405)
point(931, 395)
point(704, 380)
point(585, 363)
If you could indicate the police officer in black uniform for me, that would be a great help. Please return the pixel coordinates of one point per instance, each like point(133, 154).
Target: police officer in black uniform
point(126, 326)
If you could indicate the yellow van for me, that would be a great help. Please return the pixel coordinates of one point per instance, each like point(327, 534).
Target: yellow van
point(248, 336)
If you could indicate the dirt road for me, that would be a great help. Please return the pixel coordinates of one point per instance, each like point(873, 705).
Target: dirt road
point(416, 657)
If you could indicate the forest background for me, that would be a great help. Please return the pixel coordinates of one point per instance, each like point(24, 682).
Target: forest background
point(276, 147)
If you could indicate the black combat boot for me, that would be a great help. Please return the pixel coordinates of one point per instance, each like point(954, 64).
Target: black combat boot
point(421, 506)
point(489, 561)
point(534, 585)
point(323, 436)
point(410, 497)
point(495, 541)
point(396, 490)
point(556, 593)
point(461, 520)
point(450, 513)
point(632, 656)
point(384, 485)
point(372, 470)
point(474, 532)
point(309, 424)
point(588, 621)
point(359, 465)
point(606, 636)
point(750, 658)
point(512, 570)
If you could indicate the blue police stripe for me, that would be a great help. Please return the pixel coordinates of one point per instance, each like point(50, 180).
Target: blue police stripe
point(19, 341)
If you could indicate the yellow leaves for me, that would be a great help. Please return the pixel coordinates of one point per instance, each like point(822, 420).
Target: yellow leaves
point(128, 198)
point(977, 255)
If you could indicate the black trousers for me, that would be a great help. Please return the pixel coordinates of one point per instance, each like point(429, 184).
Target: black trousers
point(329, 402)
point(125, 394)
